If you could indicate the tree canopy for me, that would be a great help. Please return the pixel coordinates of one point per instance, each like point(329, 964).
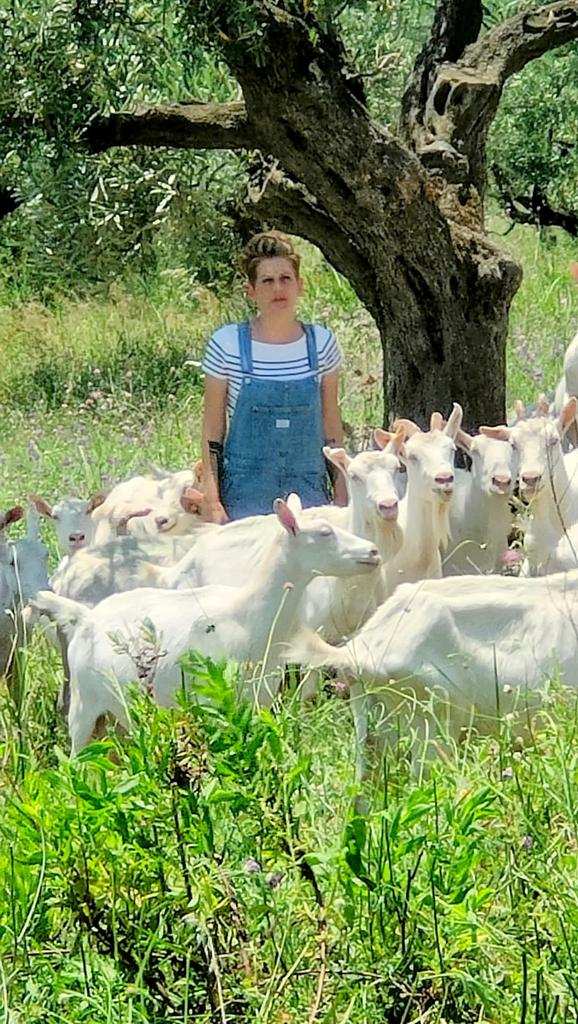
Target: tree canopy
point(359, 125)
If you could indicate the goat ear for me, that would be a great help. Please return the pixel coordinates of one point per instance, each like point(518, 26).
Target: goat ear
point(519, 409)
point(436, 421)
point(294, 503)
point(96, 501)
point(388, 441)
point(502, 433)
point(396, 443)
point(12, 515)
point(382, 437)
point(408, 426)
point(191, 500)
point(338, 456)
point(543, 406)
point(568, 415)
point(41, 505)
point(122, 523)
point(464, 440)
point(285, 516)
point(455, 421)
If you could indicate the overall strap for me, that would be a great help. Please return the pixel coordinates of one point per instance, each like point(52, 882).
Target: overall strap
point(245, 351)
point(311, 347)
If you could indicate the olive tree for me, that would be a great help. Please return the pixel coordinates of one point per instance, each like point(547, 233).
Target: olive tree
point(399, 213)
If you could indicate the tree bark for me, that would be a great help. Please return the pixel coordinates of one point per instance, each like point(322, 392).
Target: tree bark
point(402, 219)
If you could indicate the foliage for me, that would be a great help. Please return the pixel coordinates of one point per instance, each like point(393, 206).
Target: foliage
point(86, 219)
point(83, 217)
point(533, 140)
point(217, 867)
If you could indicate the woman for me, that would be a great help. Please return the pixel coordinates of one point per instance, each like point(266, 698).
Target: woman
point(271, 389)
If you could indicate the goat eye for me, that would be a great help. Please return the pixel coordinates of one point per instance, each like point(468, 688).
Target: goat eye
point(355, 477)
point(325, 531)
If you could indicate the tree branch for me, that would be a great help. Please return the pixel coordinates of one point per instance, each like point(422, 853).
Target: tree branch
point(464, 98)
point(508, 47)
point(456, 24)
point(533, 209)
point(182, 125)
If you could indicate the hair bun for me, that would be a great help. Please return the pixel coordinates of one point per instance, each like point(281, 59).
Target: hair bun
point(267, 245)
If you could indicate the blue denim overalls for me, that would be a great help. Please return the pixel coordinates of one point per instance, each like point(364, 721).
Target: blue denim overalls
point(275, 438)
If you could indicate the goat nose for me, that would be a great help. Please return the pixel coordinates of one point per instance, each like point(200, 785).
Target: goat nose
point(445, 479)
point(502, 481)
point(388, 508)
point(76, 538)
point(161, 522)
point(531, 479)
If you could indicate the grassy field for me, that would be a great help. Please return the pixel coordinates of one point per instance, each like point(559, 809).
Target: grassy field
point(217, 870)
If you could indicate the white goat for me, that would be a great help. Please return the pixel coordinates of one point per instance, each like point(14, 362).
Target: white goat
point(23, 572)
point(249, 623)
point(339, 606)
point(72, 520)
point(568, 384)
point(550, 542)
point(122, 564)
point(471, 641)
point(230, 554)
point(424, 510)
point(480, 515)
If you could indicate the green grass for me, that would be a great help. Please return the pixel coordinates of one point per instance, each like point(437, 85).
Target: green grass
point(217, 871)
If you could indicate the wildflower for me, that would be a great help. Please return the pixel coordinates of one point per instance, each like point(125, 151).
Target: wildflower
point(340, 688)
point(252, 867)
point(527, 842)
point(508, 773)
point(274, 879)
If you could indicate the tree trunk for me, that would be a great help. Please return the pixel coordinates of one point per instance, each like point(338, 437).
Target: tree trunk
point(420, 375)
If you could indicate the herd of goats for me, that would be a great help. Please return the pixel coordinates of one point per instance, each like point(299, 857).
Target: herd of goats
point(444, 596)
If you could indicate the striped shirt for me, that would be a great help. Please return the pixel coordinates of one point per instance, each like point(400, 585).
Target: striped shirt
point(286, 361)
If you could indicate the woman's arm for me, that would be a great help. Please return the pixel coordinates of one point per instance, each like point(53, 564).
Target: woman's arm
point(214, 427)
point(332, 428)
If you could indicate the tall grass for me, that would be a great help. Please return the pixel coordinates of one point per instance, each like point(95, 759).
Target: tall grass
point(217, 870)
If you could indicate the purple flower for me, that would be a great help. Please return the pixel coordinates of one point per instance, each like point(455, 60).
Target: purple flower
point(252, 867)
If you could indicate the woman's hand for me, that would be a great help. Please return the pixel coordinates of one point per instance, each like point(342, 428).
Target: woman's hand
point(213, 512)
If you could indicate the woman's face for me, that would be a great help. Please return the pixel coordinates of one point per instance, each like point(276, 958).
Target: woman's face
point(276, 288)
